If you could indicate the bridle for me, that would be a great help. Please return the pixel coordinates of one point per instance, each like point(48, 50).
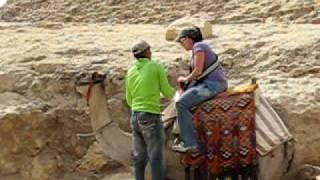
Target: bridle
point(95, 78)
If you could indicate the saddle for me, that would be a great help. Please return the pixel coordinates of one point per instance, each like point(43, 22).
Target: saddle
point(169, 114)
point(231, 130)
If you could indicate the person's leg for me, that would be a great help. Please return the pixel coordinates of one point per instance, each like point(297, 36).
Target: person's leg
point(193, 97)
point(140, 149)
point(184, 115)
point(153, 132)
point(216, 87)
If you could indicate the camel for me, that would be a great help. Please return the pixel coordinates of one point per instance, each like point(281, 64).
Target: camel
point(117, 144)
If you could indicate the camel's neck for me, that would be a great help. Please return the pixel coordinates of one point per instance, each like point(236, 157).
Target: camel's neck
point(114, 142)
point(99, 113)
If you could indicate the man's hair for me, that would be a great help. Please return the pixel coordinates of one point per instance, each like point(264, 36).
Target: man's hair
point(141, 55)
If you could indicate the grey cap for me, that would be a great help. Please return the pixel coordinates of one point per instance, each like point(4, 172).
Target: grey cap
point(187, 32)
point(139, 46)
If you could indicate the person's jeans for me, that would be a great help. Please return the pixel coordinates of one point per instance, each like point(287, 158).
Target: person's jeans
point(149, 143)
point(192, 97)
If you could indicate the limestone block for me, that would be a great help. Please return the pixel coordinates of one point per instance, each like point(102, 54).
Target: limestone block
point(95, 160)
point(174, 28)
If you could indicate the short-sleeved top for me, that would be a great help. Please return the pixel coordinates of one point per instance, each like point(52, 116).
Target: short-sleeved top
point(210, 57)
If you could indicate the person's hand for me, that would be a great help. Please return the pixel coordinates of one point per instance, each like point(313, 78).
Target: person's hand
point(182, 79)
point(180, 91)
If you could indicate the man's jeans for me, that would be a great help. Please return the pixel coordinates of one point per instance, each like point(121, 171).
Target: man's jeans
point(192, 97)
point(149, 142)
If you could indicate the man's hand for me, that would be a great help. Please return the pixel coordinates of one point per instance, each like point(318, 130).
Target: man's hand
point(177, 95)
point(180, 91)
point(182, 79)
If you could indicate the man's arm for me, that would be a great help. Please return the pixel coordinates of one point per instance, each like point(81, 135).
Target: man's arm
point(166, 89)
point(128, 94)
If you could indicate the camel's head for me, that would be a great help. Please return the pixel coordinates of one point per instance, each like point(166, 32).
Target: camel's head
point(84, 81)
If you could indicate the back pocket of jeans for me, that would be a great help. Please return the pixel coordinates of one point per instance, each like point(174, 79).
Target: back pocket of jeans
point(148, 122)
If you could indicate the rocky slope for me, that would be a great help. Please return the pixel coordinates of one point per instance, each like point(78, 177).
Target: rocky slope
point(45, 132)
point(162, 12)
point(44, 124)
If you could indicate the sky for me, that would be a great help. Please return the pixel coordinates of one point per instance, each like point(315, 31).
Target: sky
point(2, 2)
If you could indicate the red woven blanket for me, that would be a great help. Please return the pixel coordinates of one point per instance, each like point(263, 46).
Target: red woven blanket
point(226, 133)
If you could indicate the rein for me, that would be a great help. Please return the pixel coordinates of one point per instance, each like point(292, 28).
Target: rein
point(96, 78)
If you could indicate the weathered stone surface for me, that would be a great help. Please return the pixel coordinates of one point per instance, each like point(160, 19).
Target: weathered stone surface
point(175, 27)
point(46, 166)
point(121, 175)
point(303, 172)
point(160, 12)
point(96, 160)
point(41, 117)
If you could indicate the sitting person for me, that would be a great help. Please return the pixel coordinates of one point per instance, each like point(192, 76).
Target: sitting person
point(213, 83)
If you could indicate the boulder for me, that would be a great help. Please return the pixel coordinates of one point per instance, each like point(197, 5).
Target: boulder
point(95, 160)
point(174, 28)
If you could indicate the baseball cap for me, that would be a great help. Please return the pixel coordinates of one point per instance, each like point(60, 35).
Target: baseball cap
point(187, 32)
point(139, 46)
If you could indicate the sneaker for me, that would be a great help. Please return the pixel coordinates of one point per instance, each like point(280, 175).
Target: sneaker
point(182, 149)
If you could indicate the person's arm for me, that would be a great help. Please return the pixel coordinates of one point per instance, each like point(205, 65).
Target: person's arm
point(166, 89)
point(199, 59)
point(128, 94)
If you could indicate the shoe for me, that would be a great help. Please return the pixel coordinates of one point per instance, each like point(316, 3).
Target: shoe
point(183, 149)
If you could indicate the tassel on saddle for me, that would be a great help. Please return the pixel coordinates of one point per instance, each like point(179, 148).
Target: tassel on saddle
point(197, 173)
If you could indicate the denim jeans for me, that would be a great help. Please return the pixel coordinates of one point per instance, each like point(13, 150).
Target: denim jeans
point(149, 143)
point(192, 97)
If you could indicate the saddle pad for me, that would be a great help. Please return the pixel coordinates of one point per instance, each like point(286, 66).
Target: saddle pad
point(226, 135)
point(270, 129)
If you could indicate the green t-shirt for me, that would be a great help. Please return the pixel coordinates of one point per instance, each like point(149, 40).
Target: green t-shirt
point(145, 80)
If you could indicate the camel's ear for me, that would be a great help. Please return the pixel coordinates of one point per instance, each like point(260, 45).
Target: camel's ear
point(97, 76)
point(94, 75)
point(79, 76)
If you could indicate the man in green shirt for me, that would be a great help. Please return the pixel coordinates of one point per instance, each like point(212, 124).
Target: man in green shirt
point(145, 80)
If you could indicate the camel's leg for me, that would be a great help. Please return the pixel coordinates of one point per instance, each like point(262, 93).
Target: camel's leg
point(196, 174)
point(211, 176)
point(254, 174)
point(243, 175)
point(271, 167)
point(203, 174)
point(187, 173)
point(174, 168)
point(234, 176)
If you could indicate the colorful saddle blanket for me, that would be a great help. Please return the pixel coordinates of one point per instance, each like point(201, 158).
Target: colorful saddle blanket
point(271, 131)
point(226, 132)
